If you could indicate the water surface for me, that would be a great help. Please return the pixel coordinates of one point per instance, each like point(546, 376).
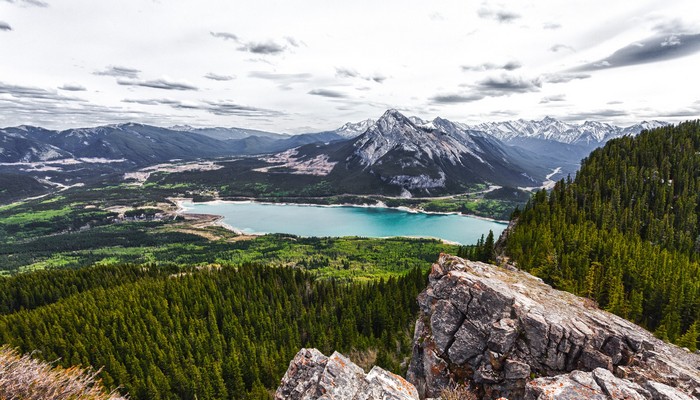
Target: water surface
point(305, 220)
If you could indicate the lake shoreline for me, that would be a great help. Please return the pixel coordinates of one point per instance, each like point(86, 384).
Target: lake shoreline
point(181, 209)
point(179, 200)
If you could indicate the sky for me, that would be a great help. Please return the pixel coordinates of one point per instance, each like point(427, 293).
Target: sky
point(304, 66)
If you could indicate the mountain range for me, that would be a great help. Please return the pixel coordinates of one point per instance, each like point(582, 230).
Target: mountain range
point(411, 156)
point(393, 154)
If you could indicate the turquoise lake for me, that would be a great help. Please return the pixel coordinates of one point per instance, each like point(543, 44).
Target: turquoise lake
point(303, 220)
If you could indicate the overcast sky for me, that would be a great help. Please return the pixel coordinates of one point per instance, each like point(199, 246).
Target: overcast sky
point(300, 66)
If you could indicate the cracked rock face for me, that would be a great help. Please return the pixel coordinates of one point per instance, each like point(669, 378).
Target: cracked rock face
point(311, 375)
point(509, 334)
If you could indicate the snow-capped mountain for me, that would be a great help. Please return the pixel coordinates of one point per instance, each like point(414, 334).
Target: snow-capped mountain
point(352, 130)
point(589, 133)
point(398, 154)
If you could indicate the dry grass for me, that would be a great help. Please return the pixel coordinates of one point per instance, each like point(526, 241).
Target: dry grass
point(365, 359)
point(459, 392)
point(22, 377)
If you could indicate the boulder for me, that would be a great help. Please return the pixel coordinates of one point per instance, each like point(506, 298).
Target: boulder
point(311, 375)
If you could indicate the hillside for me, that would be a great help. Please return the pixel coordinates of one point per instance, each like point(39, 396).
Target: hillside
point(624, 231)
point(232, 319)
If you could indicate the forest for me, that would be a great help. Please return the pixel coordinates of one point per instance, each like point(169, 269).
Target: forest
point(625, 232)
point(204, 333)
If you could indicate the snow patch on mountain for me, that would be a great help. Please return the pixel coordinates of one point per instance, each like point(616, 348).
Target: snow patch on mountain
point(352, 130)
point(290, 162)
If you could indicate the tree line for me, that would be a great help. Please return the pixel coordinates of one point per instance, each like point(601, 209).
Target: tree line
point(625, 232)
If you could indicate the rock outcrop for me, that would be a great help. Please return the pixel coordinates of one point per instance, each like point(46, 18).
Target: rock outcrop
point(508, 334)
point(311, 375)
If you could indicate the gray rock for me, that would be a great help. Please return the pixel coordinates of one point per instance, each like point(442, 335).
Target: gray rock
point(301, 379)
point(311, 375)
point(514, 326)
point(503, 335)
point(444, 322)
point(618, 388)
point(516, 370)
point(384, 385)
point(341, 378)
point(468, 343)
point(659, 391)
point(564, 387)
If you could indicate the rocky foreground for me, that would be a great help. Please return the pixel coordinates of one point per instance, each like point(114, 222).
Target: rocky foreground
point(507, 334)
point(311, 375)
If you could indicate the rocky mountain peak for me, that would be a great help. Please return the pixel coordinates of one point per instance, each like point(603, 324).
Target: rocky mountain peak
point(392, 119)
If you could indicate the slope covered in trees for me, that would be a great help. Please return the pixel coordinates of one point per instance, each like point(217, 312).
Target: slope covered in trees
point(625, 231)
point(206, 333)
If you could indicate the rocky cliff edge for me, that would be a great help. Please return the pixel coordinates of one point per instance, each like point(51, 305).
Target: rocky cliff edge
point(508, 334)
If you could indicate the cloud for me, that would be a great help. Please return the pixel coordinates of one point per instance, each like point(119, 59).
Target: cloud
point(503, 85)
point(226, 107)
point(327, 93)
point(683, 113)
point(346, 72)
point(436, 16)
point(268, 47)
point(285, 78)
point(293, 42)
point(33, 93)
point(553, 99)
point(217, 107)
point(225, 36)
point(72, 87)
point(690, 112)
point(28, 3)
point(551, 25)
point(4, 26)
point(594, 115)
point(509, 66)
point(559, 47)
point(507, 84)
point(161, 83)
point(500, 15)
point(120, 72)
point(343, 72)
point(154, 102)
point(217, 77)
point(456, 98)
point(673, 26)
point(653, 49)
point(563, 77)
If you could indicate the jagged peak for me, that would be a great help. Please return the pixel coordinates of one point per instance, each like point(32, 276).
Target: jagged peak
point(394, 115)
